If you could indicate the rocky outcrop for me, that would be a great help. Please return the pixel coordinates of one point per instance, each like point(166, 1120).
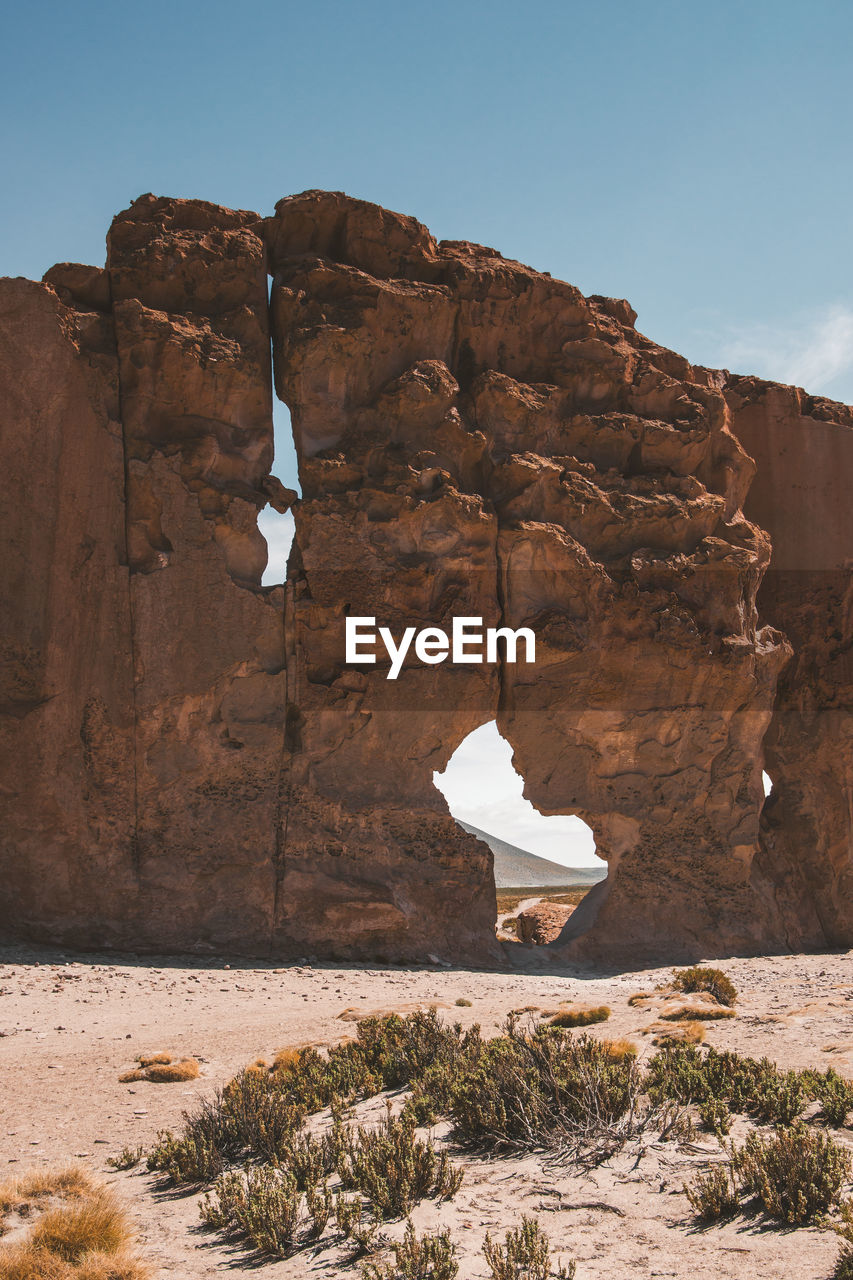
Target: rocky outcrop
point(66, 705)
point(427, 380)
point(803, 449)
point(543, 922)
point(193, 761)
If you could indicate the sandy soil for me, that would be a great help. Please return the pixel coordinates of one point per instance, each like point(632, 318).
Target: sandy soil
point(70, 1025)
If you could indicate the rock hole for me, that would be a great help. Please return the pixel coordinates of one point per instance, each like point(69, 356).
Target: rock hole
point(767, 783)
point(551, 857)
point(278, 530)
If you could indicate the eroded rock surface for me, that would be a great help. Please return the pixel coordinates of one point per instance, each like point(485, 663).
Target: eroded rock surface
point(430, 378)
point(803, 449)
point(192, 763)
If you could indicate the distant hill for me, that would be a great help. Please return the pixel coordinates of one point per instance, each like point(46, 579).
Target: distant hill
point(516, 868)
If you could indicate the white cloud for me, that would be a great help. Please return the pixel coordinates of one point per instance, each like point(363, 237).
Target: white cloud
point(481, 787)
point(813, 350)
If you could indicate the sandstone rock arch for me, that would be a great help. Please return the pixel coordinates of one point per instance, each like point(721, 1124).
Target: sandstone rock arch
point(191, 763)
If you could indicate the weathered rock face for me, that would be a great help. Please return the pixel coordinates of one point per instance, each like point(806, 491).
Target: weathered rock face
point(189, 293)
point(66, 717)
point(803, 449)
point(543, 922)
point(426, 379)
point(192, 762)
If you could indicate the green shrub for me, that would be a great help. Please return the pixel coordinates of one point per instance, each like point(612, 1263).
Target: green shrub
point(715, 1116)
point(395, 1169)
point(426, 1257)
point(262, 1203)
point(541, 1089)
point(834, 1093)
point(700, 978)
point(524, 1255)
point(714, 1195)
point(126, 1158)
point(795, 1175)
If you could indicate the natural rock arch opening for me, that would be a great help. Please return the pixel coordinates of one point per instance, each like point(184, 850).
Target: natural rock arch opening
point(545, 854)
point(278, 528)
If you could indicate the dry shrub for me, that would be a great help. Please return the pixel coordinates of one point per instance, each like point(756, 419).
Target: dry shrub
point(462, 1003)
point(621, 1049)
point(96, 1225)
point(186, 1069)
point(86, 1236)
point(286, 1058)
point(701, 978)
point(581, 1017)
point(795, 1175)
point(685, 1033)
point(24, 1193)
point(161, 1068)
point(639, 998)
point(696, 1013)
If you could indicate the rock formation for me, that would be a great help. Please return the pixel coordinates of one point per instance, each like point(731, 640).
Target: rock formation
point(803, 446)
point(194, 764)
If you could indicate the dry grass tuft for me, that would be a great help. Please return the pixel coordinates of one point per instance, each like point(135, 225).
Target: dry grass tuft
point(621, 1049)
point(24, 1193)
point(684, 1033)
point(161, 1068)
point(696, 1013)
point(285, 1059)
point(640, 997)
point(95, 1225)
point(85, 1236)
point(580, 1017)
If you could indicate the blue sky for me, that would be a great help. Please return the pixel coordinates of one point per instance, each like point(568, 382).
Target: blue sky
point(692, 157)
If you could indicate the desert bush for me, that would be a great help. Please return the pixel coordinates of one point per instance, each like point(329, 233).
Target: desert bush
point(319, 1203)
point(545, 1088)
point(431, 1256)
point(700, 978)
point(462, 1003)
point(834, 1093)
point(524, 1255)
point(844, 1228)
point(126, 1158)
point(261, 1203)
point(186, 1160)
point(756, 1088)
point(795, 1175)
point(580, 1017)
point(395, 1169)
point(779, 1098)
point(715, 1116)
point(714, 1195)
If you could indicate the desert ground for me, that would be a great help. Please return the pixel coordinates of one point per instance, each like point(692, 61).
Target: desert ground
point(71, 1024)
